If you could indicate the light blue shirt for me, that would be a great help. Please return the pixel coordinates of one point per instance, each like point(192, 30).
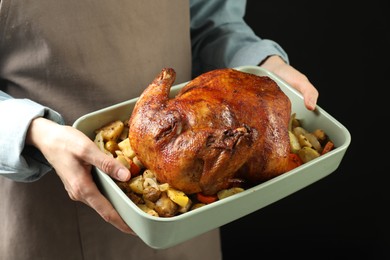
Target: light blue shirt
point(220, 38)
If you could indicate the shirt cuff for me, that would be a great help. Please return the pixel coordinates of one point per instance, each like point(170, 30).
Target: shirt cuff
point(17, 161)
point(256, 53)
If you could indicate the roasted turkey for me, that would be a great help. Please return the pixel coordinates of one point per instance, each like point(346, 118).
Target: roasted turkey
point(225, 125)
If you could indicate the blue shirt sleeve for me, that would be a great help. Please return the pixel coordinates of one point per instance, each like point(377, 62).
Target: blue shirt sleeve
point(17, 161)
point(221, 38)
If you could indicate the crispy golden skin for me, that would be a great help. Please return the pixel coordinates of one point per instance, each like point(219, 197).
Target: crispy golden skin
point(222, 125)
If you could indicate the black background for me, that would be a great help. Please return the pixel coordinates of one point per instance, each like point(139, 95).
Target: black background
point(344, 51)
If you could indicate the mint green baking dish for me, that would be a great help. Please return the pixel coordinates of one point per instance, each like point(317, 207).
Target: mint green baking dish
point(161, 233)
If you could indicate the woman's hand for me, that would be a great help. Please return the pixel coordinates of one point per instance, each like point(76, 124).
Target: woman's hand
point(72, 154)
point(296, 79)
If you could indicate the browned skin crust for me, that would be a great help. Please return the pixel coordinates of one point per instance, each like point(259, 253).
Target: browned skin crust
point(222, 125)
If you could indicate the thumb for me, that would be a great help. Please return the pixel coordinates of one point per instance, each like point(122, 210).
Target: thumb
point(111, 166)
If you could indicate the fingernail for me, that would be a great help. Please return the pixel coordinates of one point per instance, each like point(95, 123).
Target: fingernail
point(123, 174)
point(312, 104)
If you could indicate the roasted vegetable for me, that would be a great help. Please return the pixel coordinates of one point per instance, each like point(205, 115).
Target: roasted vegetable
point(321, 136)
point(314, 142)
point(111, 131)
point(126, 149)
point(307, 154)
point(99, 141)
point(294, 160)
point(328, 147)
point(294, 142)
point(165, 207)
point(179, 197)
point(148, 210)
point(228, 192)
point(136, 184)
point(206, 199)
point(294, 122)
point(151, 193)
point(124, 160)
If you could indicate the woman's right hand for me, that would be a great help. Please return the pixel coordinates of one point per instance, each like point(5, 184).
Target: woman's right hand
point(72, 155)
point(295, 78)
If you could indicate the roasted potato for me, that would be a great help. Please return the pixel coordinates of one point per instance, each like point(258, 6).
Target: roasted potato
point(165, 207)
point(112, 130)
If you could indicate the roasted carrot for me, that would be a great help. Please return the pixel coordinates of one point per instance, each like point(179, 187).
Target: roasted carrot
point(294, 161)
point(206, 199)
point(327, 147)
point(135, 170)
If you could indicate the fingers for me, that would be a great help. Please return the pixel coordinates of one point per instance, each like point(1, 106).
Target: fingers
point(113, 167)
point(310, 98)
point(93, 198)
point(104, 208)
point(73, 161)
point(301, 83)
point(85, 190)
point(109, 165)
point(97, 201)
point(293, 77)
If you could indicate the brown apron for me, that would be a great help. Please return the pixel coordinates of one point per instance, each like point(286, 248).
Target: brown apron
point(77, 56)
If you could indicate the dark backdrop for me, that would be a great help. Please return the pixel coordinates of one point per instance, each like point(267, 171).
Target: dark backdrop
point(344, 51)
